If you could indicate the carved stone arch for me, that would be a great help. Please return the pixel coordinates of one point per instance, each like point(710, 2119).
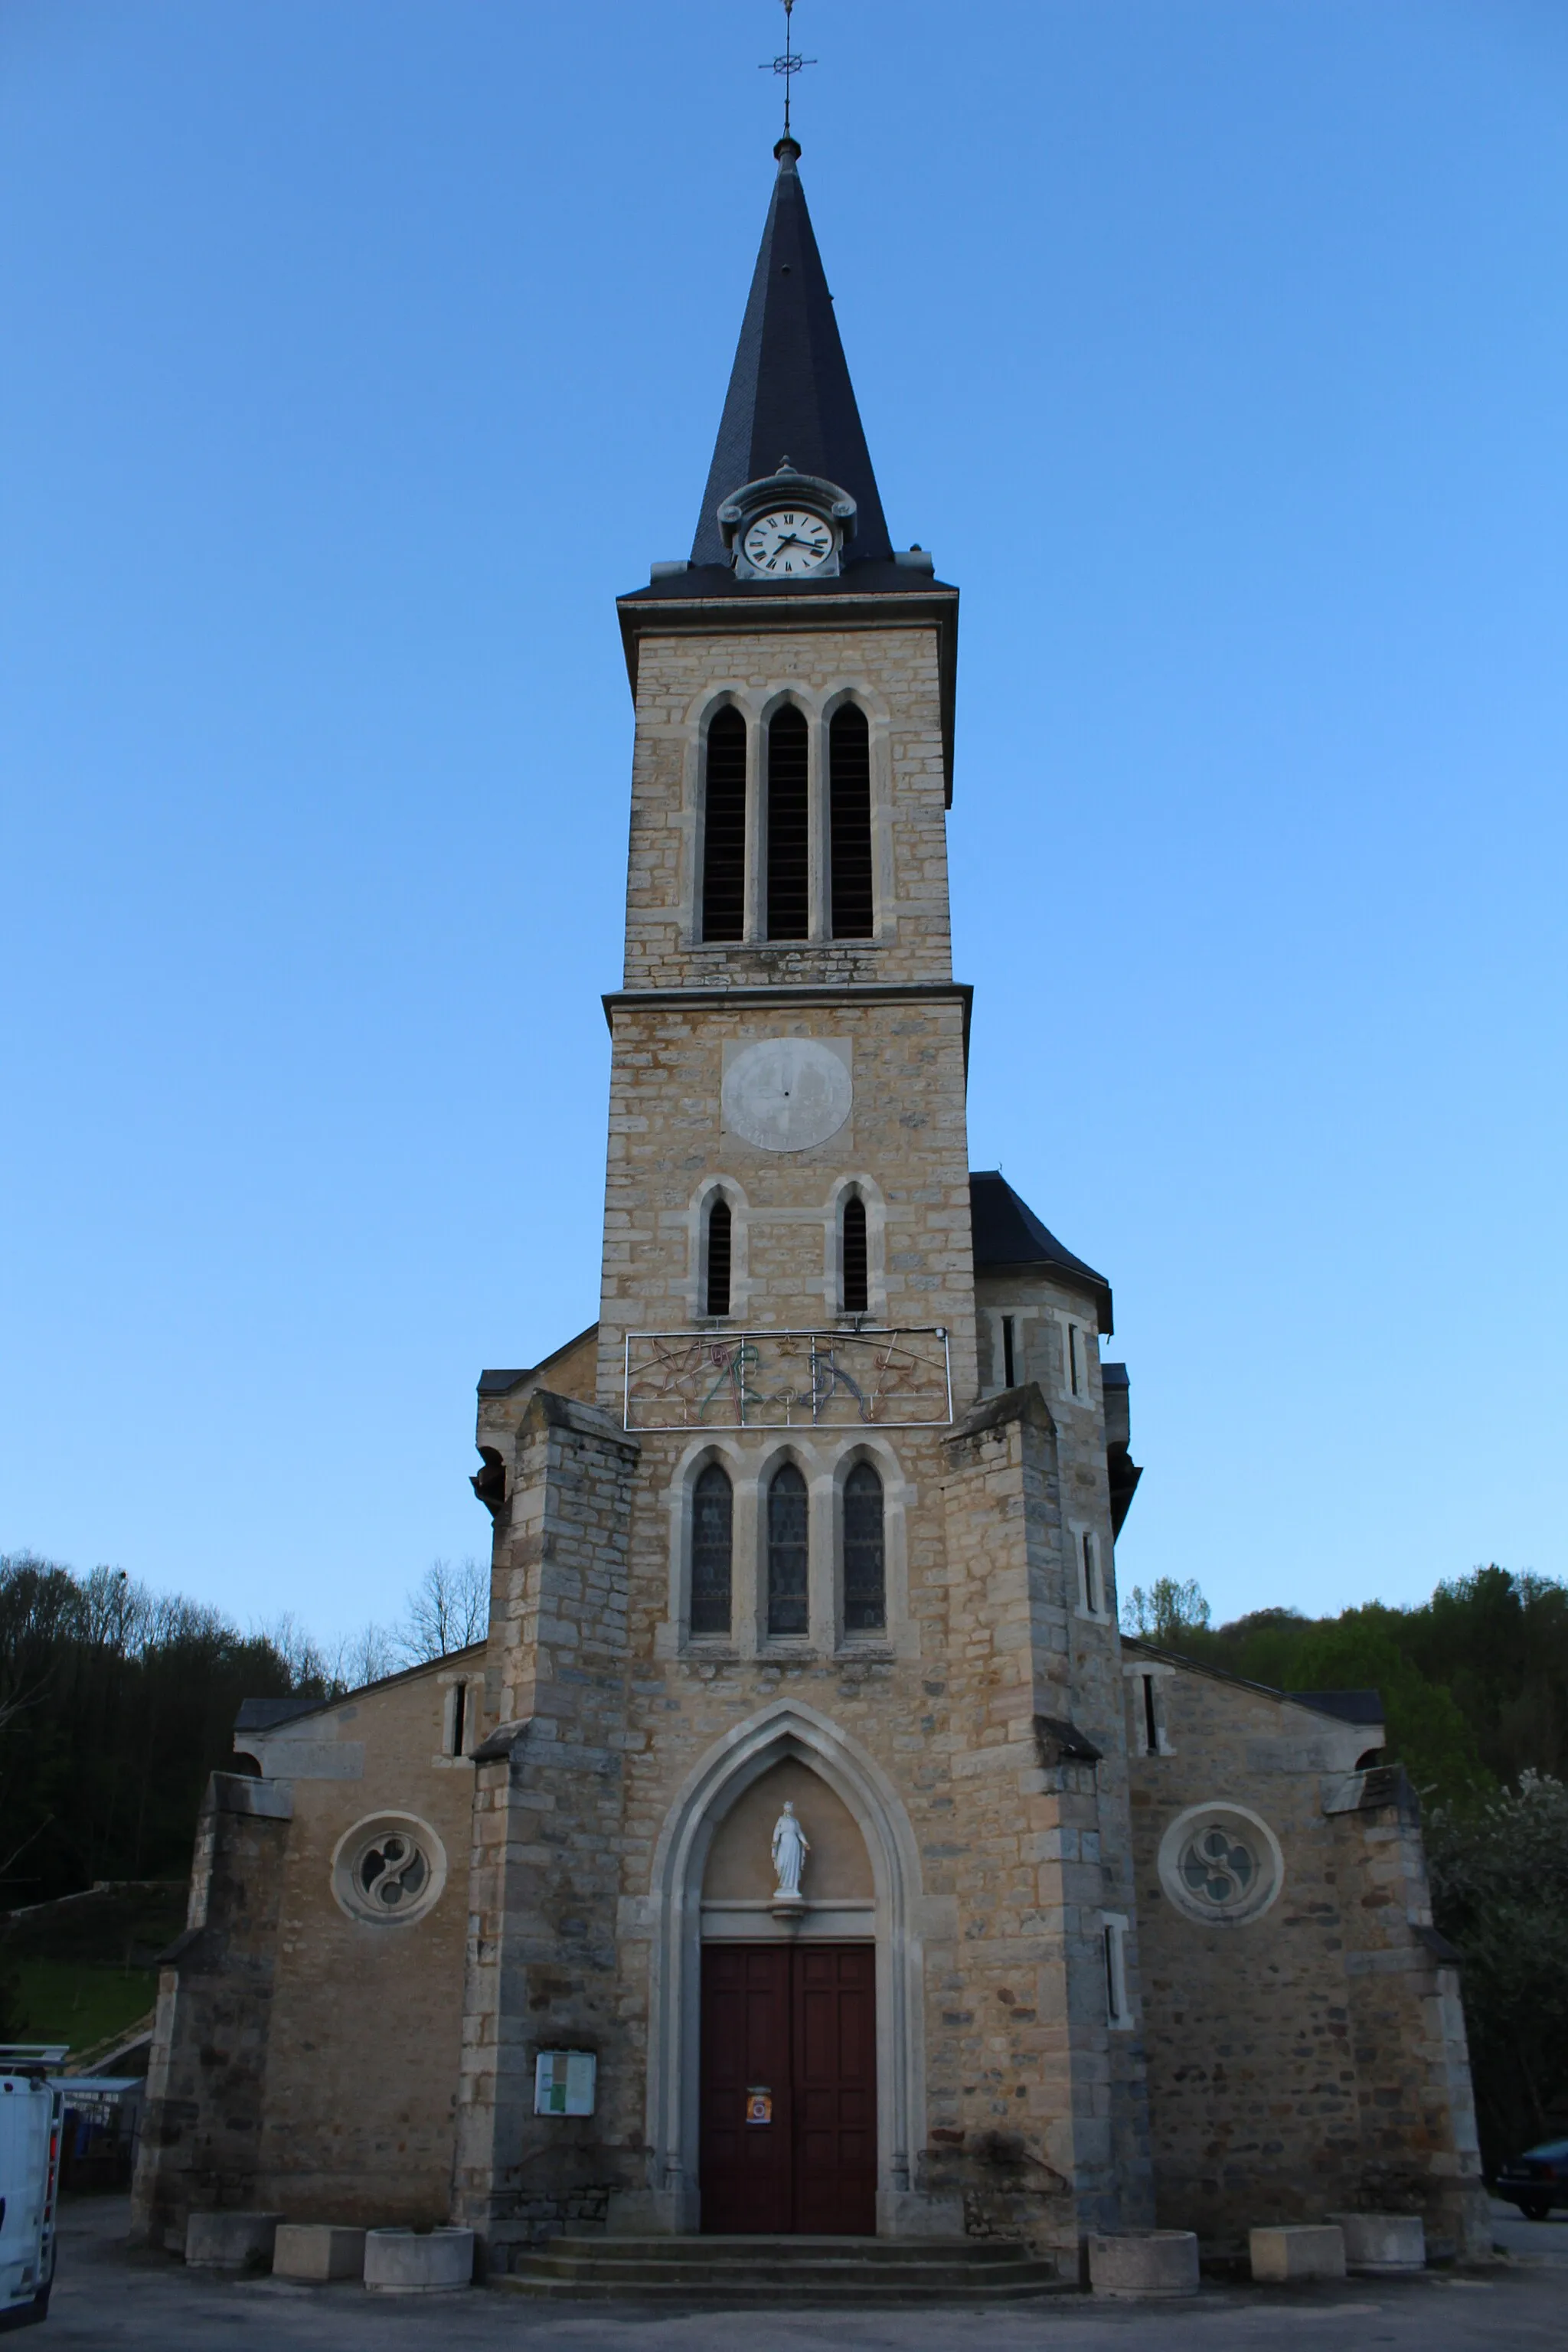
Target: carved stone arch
point(871, 1194)
point(804, 698)
point(715, 1445)
point(865, 697)
point(710, 697)
point(700, 713)
point(789, 831)
point(899, 1631)
point(789, 1727)
point(728, 1188)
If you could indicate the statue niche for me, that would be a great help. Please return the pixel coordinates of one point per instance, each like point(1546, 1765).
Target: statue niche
point(788, 1846)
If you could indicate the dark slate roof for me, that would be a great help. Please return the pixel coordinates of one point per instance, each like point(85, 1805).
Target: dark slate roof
point(790, 394)
point(1350, 1706)
point(262, 1714)
point(1008, 1232)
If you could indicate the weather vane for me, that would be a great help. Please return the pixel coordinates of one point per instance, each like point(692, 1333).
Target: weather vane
point(789, 65)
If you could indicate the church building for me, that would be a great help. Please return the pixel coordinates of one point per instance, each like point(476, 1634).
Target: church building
point(805, 1850)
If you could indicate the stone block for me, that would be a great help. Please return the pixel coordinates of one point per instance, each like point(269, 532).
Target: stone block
point(418, 2261)
point(1145, 2262)
point(318, 2250)
point(1315, 2251)
point(1383, 2245)
point(230, 2242)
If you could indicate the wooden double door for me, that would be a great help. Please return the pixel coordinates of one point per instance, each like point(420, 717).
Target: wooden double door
point(789, 2089)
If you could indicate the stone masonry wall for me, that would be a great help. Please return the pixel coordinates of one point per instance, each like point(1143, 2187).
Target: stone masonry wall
point(541, 1969)
point(894, 671)
point(1036, 2100)
point(1302, 2063)
point(206, 2078)
point(904, 1138)
point(366, 2135)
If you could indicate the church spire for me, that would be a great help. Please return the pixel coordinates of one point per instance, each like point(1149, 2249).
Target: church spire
point(790, 396)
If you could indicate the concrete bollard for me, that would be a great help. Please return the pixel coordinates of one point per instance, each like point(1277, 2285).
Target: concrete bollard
point(1383, 2245)
point(418, 2261)
point(318, 2250)
point(230, 2242)
point(1281, 2257)
point(1145, 2262)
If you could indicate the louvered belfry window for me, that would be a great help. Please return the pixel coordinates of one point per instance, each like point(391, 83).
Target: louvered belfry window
point(789, 870)
point(720, 1234)
point(787, 1604)
point(712, 1521)
point(850, 823)
point(856, 1295)
point(865, 1565)
point(724, 829)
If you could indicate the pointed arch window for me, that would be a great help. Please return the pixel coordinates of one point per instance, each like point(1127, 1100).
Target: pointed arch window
point(850, 823)
point(789, 865)
point(716, 1257)
point(865, 1552)
point(787, 1598)
point(856, 1272)
point(712, 1544)
point(724, 828)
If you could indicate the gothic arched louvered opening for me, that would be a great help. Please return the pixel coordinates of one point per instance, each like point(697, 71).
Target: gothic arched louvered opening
point(865, 1553)
point(716, 1288)
point(857, 1279)
point(712, 1524)
point(787, 1603)
point(850, 823)
point(789, 865)
point(724, 828)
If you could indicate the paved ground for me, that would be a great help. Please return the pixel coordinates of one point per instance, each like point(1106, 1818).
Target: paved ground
point(105, 2299)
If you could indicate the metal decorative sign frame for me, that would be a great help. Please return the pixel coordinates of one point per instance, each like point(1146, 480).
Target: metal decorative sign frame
point(788, 1380)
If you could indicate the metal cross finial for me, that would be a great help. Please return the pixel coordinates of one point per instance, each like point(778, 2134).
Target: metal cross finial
point(789, 64)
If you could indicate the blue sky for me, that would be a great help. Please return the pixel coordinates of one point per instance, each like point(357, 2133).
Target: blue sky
point(358, 354)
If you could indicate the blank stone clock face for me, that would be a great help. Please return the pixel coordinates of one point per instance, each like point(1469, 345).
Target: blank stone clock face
point(786, 1094)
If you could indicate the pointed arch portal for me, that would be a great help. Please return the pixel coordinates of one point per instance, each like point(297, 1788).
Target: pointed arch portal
point(788, 1729)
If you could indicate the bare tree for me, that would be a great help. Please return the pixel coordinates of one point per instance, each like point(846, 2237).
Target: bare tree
point(448, 1609)
point(307, 1664)
point(367, 1656)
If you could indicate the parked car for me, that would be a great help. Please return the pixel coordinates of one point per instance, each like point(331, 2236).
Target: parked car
point(31, 2111)
point(1536, 2181)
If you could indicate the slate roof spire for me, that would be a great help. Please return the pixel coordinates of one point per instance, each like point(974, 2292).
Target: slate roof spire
point(790, 394)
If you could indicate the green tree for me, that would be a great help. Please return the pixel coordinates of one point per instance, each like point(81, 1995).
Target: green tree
point(1165, 1613)
point(1428, 1730)
point(1499, 1890)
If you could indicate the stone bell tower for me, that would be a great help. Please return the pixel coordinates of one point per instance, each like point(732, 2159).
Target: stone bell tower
point(795, 1524)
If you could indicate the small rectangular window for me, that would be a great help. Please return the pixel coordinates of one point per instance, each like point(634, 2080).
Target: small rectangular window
point(724, 828)
point(1091, 1578)
point(719, 1258)
point(456, 1718)
point(1151, 1724)
point(789, 868)
point(1008, 1363)
point(1075, 1359)
point(856, 1263)
point(1113, 1932)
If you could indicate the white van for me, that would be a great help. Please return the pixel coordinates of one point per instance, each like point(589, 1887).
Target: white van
point(31, 2109)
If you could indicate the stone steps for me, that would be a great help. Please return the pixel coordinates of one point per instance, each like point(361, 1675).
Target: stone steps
point(819, 2271)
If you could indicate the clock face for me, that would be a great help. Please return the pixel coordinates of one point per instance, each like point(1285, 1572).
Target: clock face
point(787, 542)
point(786, 1094)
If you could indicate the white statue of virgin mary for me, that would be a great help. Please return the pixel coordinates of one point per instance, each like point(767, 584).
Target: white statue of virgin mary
point(791, 1846)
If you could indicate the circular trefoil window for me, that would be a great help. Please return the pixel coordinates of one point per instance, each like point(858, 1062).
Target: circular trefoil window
point(389, 1868)
point(1221, 1864)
